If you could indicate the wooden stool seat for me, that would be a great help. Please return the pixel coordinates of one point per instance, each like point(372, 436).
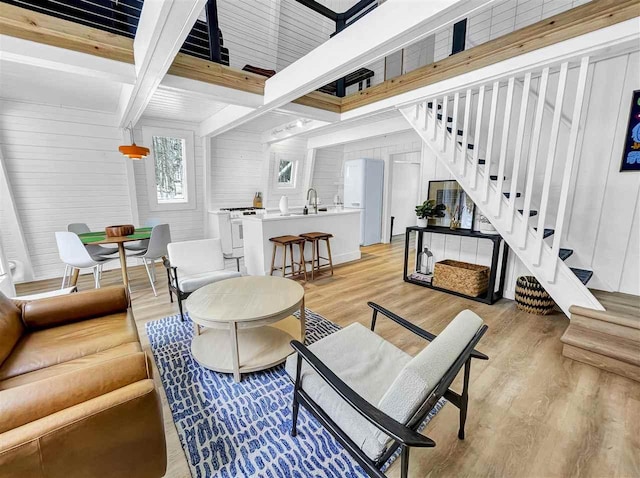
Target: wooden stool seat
point(314, 238)
point(316, 235)
point(284, 242)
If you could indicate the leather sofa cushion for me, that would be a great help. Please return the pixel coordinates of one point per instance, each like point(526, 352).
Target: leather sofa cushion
point(32, 401)
point(71, 365)
point(11, 327)
point(54, 311)
point(118, 434)
point(56, 345)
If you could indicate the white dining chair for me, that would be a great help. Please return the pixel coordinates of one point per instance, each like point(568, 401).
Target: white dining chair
point(95, 250)
point(156, 249)
point(75, 256)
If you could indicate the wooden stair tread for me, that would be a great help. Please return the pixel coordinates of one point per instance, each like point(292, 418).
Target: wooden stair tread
point(624, 349)
point(532, 212)
point(602, 362)
point(546, 233)
point(613, 317)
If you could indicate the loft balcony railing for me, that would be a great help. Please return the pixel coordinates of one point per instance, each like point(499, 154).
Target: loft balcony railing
point(121, 17)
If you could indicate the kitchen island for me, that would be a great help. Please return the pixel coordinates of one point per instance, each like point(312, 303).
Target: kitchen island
point(344, 225)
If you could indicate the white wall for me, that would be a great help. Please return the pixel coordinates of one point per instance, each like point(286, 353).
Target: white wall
point(327, 173)
point(237, 168)
point(294, 149)
point(63, 166)
point(185, 224)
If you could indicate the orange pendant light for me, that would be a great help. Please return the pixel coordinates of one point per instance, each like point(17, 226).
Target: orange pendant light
point(133, 151)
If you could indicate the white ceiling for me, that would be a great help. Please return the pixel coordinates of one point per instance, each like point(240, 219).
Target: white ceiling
point(178, 105)
point(53, 87)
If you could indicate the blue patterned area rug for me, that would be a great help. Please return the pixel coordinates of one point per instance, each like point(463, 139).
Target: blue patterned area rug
point(230, 429)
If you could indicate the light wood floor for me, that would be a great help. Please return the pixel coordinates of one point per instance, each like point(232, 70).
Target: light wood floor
point(532, 412)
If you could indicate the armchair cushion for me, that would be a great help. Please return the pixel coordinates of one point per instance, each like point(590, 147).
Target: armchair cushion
point(420, 376)
point(194, 282)
point(369, 369)
point(196, 257)
point(11, 327)
point(50, 312)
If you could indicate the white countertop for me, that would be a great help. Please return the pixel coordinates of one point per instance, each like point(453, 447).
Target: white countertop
point(294, 216)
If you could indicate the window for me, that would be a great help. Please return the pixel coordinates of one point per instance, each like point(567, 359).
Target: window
point(170, 169)
point(285, 170)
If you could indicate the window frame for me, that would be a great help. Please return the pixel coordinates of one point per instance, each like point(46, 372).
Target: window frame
point(148, 132)
point(276, 172)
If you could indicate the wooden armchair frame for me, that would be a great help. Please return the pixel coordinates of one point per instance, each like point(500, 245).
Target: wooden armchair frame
point(402, 436)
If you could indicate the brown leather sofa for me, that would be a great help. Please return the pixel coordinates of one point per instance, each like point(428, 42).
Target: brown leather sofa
point(77, 398)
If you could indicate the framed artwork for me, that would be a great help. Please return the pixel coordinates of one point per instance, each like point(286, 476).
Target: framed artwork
point(458, 204)
point(631, 153)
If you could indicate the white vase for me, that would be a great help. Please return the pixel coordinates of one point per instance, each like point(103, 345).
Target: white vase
point(284, 205)
point(422, 222)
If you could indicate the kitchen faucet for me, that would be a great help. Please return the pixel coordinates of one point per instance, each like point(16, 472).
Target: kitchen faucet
point(315, 197)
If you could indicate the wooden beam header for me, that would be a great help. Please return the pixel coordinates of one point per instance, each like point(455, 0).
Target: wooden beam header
point(37, 27)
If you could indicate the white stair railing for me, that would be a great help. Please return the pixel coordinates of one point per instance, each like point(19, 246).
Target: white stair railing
point(507, 149)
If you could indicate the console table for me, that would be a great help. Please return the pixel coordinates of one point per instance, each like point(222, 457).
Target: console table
point(492, 295)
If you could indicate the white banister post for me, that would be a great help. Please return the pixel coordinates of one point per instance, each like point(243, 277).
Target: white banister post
point(454, 127)
point(503, 145)
point(492, 126)
point(443, 134)
point(465, 131)
point(551, 158)
point(571, 153)
point(476, 138)
point(522, 119)
point(426, 116)
point(533, 157)
point(434, 115)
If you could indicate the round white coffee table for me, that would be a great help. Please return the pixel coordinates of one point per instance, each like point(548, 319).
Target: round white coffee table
point(247, 323)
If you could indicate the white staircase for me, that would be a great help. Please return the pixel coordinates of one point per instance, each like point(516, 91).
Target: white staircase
point(514, 157)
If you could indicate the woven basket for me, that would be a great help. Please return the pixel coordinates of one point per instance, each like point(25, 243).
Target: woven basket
point(462, 277)
point(531, 296)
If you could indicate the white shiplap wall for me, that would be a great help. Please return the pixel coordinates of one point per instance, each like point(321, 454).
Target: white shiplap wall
point(326, 182)
point(294, 149)
point(237, 168)
point(63, 166)
point(185, 224)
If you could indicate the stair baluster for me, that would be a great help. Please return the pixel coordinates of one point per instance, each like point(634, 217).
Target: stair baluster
point(454, 129)
point(515, 173)
point(533, 156)
point(506, 123)
point(551, 158)
point(492, 126)
point(476, 150)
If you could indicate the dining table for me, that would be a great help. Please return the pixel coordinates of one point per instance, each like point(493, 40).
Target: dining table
point(101, 238)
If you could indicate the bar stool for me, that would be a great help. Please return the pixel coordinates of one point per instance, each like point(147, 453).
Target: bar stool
point(314, 238)
point(284, 242)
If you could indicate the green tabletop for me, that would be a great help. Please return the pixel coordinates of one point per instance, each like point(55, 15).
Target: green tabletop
point(140, 233)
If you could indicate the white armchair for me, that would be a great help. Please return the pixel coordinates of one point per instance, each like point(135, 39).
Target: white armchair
point(194, 264)
point(373, 398)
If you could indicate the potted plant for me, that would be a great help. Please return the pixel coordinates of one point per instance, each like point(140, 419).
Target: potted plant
point(429, 210)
